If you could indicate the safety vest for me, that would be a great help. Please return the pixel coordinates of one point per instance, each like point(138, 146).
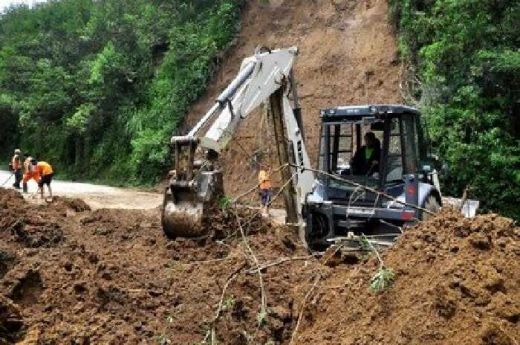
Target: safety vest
point(44, 168)
point(264, 182)
point(16, 162)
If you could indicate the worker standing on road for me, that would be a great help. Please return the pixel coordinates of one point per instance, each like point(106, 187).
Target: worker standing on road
point(16, 168)
point(29, 172)
point(264, 184)
point(45, 173)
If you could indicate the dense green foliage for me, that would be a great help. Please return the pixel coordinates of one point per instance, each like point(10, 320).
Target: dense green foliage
point(466, 55)
point(97, 87)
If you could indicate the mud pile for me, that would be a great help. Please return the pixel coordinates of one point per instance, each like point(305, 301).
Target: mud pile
point(23, 227)
point(456, 282)
point(112, 278)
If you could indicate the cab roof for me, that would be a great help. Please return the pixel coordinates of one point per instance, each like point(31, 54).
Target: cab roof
point(372, 110)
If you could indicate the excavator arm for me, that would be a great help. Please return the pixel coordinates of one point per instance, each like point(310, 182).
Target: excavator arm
point(196, 185)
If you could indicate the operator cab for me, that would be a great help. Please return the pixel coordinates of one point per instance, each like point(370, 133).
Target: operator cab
point(376, 146)
point(344, 147)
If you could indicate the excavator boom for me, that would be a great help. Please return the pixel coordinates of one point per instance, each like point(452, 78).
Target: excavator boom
point(196, 185)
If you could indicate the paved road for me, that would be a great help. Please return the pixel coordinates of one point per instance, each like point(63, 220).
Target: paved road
point(97, 196)
point(100, 196)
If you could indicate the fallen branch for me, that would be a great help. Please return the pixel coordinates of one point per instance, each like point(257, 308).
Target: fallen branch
point(231, 277)
point(358, 185)
point(333, 254)
point(302, 309)
point(278, 262)
point(263, 308)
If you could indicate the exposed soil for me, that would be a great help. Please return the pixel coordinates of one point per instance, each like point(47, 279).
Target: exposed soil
point(456, 283)
point(111, 277)
point(347, 56)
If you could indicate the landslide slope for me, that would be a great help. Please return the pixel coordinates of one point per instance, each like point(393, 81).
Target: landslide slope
point(348, 55)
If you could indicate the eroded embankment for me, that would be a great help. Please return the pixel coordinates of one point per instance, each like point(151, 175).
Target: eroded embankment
point(72, 275)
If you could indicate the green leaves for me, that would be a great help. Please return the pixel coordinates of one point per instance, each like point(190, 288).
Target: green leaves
point(224, 203)
point(98, 87)
point(467, 58)
point(106, 62)
point(382, 280)
point(79, 120)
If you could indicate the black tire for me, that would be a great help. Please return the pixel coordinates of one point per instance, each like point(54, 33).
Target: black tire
point(316, 233)
point(431, 204)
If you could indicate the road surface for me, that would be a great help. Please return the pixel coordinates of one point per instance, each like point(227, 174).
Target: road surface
point(100, 196)
point(96, 196)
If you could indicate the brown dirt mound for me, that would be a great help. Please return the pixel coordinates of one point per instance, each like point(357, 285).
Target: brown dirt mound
point(456, 283)
point(20, 223)
point(76, 205)
point(9, 198)
point(115, 278)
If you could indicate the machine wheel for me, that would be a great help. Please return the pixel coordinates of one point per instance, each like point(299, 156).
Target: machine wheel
point(431, 204)
point(316, 232)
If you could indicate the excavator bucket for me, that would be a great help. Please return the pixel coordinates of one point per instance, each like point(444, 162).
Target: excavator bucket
point(188, 206)
point(182, 216)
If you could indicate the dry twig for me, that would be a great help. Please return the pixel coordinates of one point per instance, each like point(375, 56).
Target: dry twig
point(279, 262)
point(257, 264)
point(231, 277)
point(302, 309)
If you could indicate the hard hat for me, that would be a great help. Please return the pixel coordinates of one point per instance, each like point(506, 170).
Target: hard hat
point(18, 151)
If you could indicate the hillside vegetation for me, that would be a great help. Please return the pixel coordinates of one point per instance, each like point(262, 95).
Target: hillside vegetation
point(98, 87)
point(466, 75)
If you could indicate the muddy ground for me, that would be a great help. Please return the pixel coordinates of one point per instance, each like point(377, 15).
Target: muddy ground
point(69, 275)
point(456, 282)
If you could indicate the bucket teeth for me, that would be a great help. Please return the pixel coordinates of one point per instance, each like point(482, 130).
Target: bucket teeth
point(189, 204)
point(183, 219)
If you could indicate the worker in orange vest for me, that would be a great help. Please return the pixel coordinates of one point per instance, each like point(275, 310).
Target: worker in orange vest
point(264, 184)
point(16, 168)
point(45, 172)
point(29, 172)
